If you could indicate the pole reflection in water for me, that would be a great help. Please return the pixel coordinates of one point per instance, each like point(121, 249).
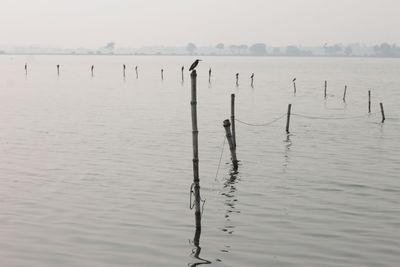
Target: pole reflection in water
point(195, 254)
point(230, 202)
point(288, 144)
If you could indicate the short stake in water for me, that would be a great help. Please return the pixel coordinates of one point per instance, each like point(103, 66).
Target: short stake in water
point(58, 70)
point(369, 101)
point(195, 138)
point(344, 93)
point(233, 119)
point(288, 118)
point(182, 69)
point(382, 112)
point(137, 74)
point(294, 85)
point(209, 75)
point(326, 85)
point(227, 126)
point(162, 74)
point(237, 79)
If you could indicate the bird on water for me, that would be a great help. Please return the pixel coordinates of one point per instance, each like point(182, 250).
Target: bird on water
point(194, 65)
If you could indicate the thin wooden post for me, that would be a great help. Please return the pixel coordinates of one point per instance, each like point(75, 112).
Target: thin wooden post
point(288, 118)
point(123, 70)
point(209, 75)
point(326, 85)
point(26, 69)
point(252, 80)
point(137, 74)
point(237, 79)
point(162, 74)
point(369, 101)
point(344, 93)
point(58, 70)
point(233, 119)
point(294, 87)
point(92, 70)
point(382, 112)
point(227, 126)
point(195, 136)
point(182, 69)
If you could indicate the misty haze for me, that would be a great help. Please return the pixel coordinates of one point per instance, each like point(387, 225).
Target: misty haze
point(188, 133)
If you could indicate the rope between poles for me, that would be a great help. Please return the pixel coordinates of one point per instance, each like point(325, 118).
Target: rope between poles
point(331, 118)
point(220, 158)
point(263, 124)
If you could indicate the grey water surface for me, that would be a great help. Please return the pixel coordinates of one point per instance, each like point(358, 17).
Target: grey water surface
point(96, 171)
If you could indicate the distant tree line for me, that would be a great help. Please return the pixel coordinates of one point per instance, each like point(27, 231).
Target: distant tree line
point(221, 49)
point(261, 49)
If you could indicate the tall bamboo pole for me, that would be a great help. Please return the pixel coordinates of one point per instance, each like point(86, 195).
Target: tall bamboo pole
point(195, 138)
point(233, 119)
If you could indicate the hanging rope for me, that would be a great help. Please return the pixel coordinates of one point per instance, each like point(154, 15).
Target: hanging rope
point(220, 158)
point(263, 124)
point(331, 118)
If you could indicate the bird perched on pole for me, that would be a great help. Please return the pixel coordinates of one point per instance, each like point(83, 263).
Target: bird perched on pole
point(294, 79)
point(194, 65)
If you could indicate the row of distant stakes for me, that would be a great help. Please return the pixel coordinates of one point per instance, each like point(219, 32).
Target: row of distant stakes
point(162, 72)
point(229, 126)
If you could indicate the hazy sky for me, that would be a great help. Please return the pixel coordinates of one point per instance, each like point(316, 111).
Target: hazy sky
point(92, 23)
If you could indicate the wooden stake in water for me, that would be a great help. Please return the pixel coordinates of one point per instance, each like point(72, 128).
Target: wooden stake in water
point(237, 79)
point(326, 85)
point(137, 74)
point(252, 80)
point(26, 69)
point(227, 126)
point(294, 85)
point(123, 70)
point(382, 112)
point(288, 117)
point(344, 93)
point(182, 69)
point(195, 134)
point(209, 75)
point(58, 70)
point(233, 119)
point(92, 70)
point(369, 101)
point(162, 74)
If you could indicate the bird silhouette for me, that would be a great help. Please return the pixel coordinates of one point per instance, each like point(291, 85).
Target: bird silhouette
point(252, 76)
point(194, 65)
point(294, 79)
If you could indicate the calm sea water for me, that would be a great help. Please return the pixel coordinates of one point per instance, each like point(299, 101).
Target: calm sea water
point(96, 171)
